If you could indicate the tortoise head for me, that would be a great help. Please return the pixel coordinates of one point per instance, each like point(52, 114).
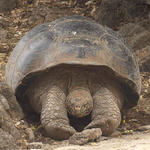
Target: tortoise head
point(79, 102)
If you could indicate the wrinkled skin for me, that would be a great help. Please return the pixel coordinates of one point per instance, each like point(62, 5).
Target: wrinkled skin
point(78, 91)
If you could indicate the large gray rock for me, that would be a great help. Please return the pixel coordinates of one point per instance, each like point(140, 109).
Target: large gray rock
point(14, 109)
point(144, 59)
point(7, 5)
point(7, 142)
point(113, 13)
point(10, 111)
point(132, 19)
point(137, 35)
point(6, 122)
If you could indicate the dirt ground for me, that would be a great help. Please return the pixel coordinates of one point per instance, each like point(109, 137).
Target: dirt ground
point(15, 24)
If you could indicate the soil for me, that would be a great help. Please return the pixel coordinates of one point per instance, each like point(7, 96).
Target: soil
point(14, 24)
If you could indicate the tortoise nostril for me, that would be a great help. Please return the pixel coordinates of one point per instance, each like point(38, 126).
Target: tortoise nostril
point(77, 108)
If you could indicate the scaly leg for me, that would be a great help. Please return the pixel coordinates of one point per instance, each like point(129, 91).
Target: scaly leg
point(54, 115)
point(106, 113)
point(47, 95)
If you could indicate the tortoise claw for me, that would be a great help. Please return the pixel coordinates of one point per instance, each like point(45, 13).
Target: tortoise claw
point(59, 131)
point(88, 135)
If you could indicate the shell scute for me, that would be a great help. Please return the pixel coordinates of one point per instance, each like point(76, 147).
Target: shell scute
point(73, 40)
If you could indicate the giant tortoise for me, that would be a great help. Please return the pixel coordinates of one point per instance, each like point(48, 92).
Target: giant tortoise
point(78, 67)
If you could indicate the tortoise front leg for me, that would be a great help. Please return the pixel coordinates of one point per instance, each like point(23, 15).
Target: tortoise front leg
point(54, 114)
point(106, 113)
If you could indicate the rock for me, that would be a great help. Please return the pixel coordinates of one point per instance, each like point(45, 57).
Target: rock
point(30, 134)
point(144, 106)
point(116, 134)
point(35, 145)
point(143, 56)
point(88, 135)
point(136, 35)
point(113, 13)
point(15, 110)
point(7, 5)
point(144, 128)
point(10, 111)
point(6, 122)
point(7, 142)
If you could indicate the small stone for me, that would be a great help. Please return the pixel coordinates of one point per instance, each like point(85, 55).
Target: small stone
point(2, 57)
point(88, 2)
point(116, 134)
point(17, 123)
point(46, 147)
point(74, 32)
point(35, 145)
point(144, 128)
point(30, 134)
point(20, 122)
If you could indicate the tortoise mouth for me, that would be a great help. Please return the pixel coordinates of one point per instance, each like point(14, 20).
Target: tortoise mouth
point(79, 113)
point(80, 110)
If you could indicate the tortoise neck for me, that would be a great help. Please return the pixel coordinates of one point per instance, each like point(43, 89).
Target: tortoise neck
point(79, 101)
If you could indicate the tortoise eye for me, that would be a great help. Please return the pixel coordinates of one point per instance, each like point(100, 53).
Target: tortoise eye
point(84, 106)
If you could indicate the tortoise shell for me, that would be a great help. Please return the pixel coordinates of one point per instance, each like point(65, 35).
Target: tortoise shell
point(74, 40)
